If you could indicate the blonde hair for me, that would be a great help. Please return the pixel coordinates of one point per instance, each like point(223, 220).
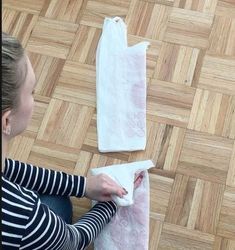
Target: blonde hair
point(13, 74)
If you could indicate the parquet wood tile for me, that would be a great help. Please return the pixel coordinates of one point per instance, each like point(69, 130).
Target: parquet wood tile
point(54, 156)
point(177, 237)
point(195, 204)
point(164, 144)
point(84, 47)
point(160, 194)
point(79, 77)
point(147, 19)
point(97, 10)
point(19, 24)
point(222, 36)
point(40, 108)
point(83, 163)
point(47, 71)
point(64, 10)
point(169, 102)
point(176, 63)
point(223, 244)
point(231, 171)
point(213, 113)
point(205, 156)
point(66, 119)
point(226, 226)
point(52, 37)
point(104, 160)
point(204, 6)
point(190, 106)
point(163, 2)
point(225, 8)
point(185, 28)
point(155, 228)
point(218, 71)
point(20, 148)
point(29, 6)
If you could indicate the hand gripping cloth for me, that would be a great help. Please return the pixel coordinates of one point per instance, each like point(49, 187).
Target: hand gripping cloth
point(120, 90)
point(129, 228)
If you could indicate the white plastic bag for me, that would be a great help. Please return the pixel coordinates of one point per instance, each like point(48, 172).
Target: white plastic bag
point(121, 90)
point(129, 228)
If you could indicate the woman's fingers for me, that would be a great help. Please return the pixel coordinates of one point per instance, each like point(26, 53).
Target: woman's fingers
point(138, 179)
point(118, 190)
point(115, 188)
point(102, 187)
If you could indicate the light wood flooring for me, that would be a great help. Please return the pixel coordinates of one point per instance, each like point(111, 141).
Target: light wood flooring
point(190, 105)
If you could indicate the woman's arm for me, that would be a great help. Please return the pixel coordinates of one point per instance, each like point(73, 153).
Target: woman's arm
point(29, 224)
point(44, 181)
point(50, 182)
point(48, 231)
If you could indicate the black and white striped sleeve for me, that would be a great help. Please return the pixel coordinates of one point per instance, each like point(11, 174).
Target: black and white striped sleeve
point(48, 231)
point(44, 181)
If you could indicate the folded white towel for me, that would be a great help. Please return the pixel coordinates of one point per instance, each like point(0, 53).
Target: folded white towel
point(129, 228)
point(124, 175)
point(121, 90)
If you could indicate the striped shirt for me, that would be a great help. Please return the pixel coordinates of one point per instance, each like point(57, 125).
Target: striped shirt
point(29, 224)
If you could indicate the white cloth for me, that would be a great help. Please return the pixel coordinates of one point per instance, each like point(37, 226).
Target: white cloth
point(129, 228)
point(124, 175)
point(120, 90)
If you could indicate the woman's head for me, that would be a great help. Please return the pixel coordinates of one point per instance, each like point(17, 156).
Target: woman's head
point(18, 83)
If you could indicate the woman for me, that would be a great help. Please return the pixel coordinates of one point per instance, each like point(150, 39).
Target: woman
point(36, 210)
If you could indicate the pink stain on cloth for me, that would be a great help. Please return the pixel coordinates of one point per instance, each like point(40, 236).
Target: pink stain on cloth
point(129, 228)
point(120, 90)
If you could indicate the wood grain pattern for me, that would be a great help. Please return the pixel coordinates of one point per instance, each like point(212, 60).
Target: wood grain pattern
point(28, 6)
point(96, 10)
point(85, 44)
point(231, 171)
point(225, 8)
point(195, 204)
point(226, 226)
point(223, 243)
point(19, 24)
point(176, 63)
point(188, 27)
point(64, 10)
point(77, 84)
point(148, 19)
point(190, 106)
point(201, 5)
point(160, 194)
point(47, 70)
point(205, 156)
point(169, 102)
point(67, 117)
point(47, 33)
point(213, 112)
point(218, 71)
point(222, 36)
point(177, 237)
point(20, 148)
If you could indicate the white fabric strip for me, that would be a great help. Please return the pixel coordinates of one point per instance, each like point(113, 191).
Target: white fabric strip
point(129, 228)
point(121, 90)
point(124, 175)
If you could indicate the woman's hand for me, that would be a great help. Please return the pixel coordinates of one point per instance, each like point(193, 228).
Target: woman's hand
point(138, 179)
point(101, 187)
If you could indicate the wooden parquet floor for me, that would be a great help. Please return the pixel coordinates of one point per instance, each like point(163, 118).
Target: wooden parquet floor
point(190, 105)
